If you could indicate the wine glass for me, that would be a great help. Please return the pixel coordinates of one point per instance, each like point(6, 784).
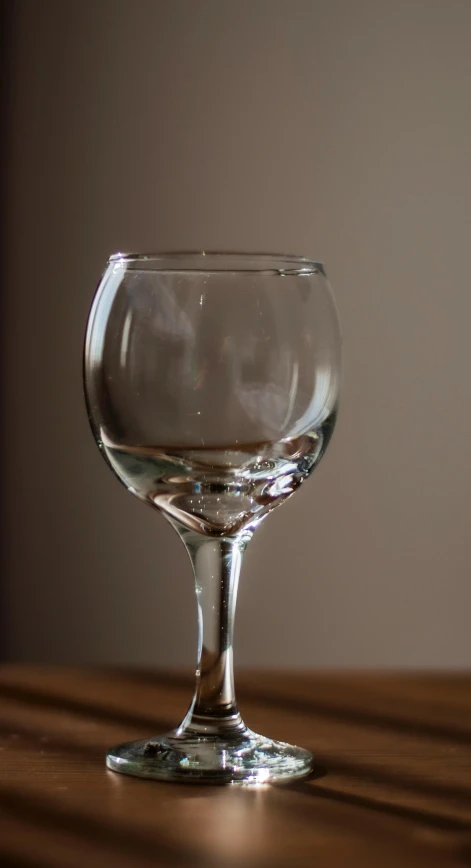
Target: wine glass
point(212, 383)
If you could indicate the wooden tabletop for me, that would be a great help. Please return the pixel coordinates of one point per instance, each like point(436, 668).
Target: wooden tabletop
point(392, 785)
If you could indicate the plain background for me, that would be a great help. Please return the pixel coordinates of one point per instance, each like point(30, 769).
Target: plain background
point(338, 129)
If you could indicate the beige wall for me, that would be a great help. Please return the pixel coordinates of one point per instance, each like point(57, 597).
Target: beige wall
point(336, 128)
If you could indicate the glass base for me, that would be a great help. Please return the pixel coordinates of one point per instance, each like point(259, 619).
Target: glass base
point(244, 757)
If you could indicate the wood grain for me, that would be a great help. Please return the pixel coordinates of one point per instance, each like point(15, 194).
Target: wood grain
point(392, 785)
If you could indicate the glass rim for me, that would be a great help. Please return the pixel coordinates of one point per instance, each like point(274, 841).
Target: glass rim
point(202, 261)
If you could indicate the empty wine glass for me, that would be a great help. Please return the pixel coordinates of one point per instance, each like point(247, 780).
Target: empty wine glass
point(212, 382)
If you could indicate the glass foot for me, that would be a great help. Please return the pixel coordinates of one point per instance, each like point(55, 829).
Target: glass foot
point(245, 758)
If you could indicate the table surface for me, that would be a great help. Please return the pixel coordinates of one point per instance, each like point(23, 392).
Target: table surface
point(392, 785)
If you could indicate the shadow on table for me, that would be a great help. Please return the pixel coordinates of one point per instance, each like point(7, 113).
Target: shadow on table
point(306, 706)
point(316, 787)
point(312, 790)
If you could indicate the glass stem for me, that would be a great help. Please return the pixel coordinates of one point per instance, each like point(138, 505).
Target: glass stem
point(216, 564)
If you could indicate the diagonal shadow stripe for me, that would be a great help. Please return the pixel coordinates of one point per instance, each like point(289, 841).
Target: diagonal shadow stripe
point(314, 707)
point(370, 718)
point(103, 832)
point(55, 743)
point(86, 709)
point(414, 815)
point(428, 817)
point(83, 708)
point(100, 830)
point(11, 800)
point(412, 783)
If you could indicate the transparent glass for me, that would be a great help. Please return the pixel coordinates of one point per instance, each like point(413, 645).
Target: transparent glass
point(212, 383)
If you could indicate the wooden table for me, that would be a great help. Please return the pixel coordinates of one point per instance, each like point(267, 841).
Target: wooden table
point(392, 788)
